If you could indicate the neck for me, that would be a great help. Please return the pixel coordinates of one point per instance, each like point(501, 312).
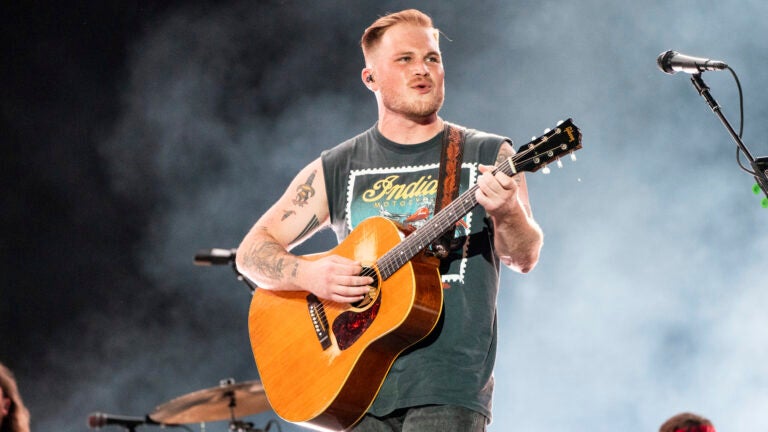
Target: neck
point(410, 130)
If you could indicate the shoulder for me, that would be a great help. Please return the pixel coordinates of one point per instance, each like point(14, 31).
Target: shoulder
point(482, 137)
point(343, 149)
point(487, 147)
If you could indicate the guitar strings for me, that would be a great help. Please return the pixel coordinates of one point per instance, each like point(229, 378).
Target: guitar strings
point(387, 261)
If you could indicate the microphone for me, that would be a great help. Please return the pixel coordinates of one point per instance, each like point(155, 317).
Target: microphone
point(672, 61)
point(215, 256)
point(98, 420)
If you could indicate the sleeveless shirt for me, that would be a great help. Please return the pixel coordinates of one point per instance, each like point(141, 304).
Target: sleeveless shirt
point(369, 175)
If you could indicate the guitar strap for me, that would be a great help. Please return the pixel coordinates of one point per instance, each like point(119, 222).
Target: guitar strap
point(448, 181)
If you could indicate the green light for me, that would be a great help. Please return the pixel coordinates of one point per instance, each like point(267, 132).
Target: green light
point(764, 203)
point(756, 189)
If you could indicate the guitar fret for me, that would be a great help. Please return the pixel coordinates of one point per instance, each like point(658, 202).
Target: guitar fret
point(413, 244)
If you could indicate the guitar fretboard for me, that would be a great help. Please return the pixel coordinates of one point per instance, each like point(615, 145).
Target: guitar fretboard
point(414, 243)
point(564, 139)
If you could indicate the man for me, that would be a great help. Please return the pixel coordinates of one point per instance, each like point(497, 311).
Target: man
point(445, 382)
point(14, 416)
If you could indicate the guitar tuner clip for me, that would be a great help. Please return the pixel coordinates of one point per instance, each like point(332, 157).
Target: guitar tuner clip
point(756, 190)
point(761, 166)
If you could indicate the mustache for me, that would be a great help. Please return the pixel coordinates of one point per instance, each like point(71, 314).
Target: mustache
point(421, 81)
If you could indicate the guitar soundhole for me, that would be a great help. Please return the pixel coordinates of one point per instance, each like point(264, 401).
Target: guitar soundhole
point(350, 325)
point(373, 293)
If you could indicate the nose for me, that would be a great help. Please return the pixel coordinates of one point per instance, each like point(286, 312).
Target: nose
point(421, 68)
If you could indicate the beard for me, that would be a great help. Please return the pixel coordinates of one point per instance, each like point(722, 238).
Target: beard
point(415, 107)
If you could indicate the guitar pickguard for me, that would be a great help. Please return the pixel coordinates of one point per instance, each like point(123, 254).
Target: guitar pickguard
point(350, 325)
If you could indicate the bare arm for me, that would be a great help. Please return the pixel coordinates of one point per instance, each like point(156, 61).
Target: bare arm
point(300, 212)
point(517, 237)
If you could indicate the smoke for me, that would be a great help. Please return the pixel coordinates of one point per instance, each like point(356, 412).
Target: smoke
point(647, 300)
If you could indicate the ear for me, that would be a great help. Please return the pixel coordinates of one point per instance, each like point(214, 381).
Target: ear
point(367, 76)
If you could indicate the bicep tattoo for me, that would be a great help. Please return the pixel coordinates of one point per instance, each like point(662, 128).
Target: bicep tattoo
point(305, 191)
point(313, 223)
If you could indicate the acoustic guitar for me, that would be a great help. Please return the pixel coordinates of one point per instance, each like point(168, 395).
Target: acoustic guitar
point(322, 363)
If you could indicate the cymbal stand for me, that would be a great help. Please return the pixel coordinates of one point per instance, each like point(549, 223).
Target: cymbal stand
point(236, 425)
point(239, 426)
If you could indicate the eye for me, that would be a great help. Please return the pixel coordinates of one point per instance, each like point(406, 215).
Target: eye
point(404, 59)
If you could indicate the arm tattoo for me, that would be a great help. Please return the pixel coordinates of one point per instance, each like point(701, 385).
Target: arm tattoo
point(286, 214)
point(313, 223)
point(504, 154)
point(305, 191)
point(270, 259)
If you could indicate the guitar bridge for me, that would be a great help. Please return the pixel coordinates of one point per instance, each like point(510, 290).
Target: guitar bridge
point(319, 320)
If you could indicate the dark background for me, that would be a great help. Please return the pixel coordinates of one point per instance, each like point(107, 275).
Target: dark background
point(136, 133)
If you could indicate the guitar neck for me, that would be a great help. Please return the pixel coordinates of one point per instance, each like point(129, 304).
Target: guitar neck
point(564, 139)
point(446, 219)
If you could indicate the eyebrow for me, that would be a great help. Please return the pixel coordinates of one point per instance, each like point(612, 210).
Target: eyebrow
point(430, 53)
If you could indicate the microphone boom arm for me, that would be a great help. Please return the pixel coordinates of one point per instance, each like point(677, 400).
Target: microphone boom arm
point(760, 172)
point(218, 256)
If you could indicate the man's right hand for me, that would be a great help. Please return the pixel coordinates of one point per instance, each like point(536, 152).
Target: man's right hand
point(334, 278)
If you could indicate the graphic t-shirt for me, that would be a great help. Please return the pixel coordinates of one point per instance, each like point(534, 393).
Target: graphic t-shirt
point(370, 175)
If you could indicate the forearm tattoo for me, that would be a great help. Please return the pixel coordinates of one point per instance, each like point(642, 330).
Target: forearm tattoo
point(271, 260)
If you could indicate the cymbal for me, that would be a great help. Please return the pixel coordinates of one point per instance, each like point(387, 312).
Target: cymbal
point(214, 404)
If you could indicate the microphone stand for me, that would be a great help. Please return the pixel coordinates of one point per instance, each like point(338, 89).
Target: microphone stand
point(759, 166)
point(251, 286)
point(218, 256)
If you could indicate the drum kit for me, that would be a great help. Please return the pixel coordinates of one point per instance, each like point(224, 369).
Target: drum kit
point(229, 401)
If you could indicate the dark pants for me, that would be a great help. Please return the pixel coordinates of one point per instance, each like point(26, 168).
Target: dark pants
point(430, 418)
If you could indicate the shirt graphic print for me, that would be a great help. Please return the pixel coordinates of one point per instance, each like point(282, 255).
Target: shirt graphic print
point(406, 195)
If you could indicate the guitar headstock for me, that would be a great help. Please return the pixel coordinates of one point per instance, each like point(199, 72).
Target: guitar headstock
point(564, 139)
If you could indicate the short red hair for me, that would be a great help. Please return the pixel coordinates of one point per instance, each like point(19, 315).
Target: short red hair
point(372, 35)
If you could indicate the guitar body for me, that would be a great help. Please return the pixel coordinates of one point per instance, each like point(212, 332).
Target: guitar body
point(323, 363)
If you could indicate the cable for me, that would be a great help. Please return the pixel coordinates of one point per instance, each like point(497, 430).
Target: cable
point(741, 121)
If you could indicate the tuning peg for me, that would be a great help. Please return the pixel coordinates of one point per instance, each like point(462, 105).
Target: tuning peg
point(546, 170)
point(559, 122)
point(573, 157)
point(559, 163)
point(547, 130)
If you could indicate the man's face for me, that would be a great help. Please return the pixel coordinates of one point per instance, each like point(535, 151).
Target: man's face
point(408, 71)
